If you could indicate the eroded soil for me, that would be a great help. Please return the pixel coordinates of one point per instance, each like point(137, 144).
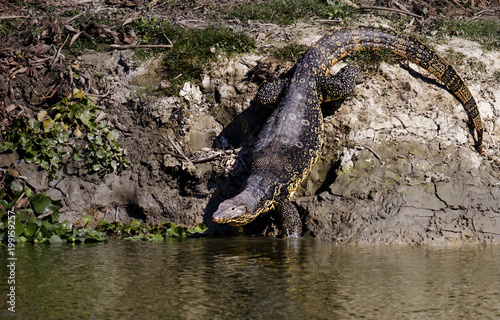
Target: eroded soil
point(398, 166)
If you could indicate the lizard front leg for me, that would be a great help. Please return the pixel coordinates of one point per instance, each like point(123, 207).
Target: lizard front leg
point(270, 93)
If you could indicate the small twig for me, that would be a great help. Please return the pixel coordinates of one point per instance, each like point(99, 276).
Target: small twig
point(101, 95)
point(52, 91)
point(45, 215)
point(178, 149)
point(208, 158)
point(13, 17)
point(372, 151)
point(133, 46)
point(215, 155)
point(329, 21)
point(391, 9)
point(491, 9)
point(75, 17)
point(15, 204)
point(36, 62)
point(59, 51)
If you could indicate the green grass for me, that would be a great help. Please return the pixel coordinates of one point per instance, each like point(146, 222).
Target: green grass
point(486, 32)
point(6, 28)
point(289, 11)
point(193, 49)
point(191, 53)
point(290, 52)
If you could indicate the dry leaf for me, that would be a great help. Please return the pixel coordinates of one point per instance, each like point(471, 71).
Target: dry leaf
point(102, 115)
point(129, 20)
point(73, 38)
point(70, 28)
point(41, 49)
point(10, 108)
point(77, 133)
point(21, 203)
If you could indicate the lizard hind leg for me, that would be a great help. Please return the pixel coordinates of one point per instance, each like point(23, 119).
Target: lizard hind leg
point(341, 85)
point(290, 219)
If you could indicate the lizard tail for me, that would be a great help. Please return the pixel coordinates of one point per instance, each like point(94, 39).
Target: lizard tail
point(337, 45)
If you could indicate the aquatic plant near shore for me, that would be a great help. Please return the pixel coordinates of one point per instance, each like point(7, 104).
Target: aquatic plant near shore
point(37, 216)
point(137, 230)
point(37, 220)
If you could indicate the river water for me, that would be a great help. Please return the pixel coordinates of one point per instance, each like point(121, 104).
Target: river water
point(252, 278)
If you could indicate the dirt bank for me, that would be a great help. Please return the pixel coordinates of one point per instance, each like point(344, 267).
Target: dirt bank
point(398, 165)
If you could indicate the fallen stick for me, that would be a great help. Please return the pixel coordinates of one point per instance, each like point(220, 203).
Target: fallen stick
point(178, 149)
point(133, 46)
point(216, 155)
point(75, 17)
point(59, 52)
point(13, 17)
point(391, 9)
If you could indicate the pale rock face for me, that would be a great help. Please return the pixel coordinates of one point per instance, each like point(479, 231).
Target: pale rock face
point(191, 93)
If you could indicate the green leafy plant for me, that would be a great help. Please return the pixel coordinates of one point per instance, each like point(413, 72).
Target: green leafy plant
point(37, 220)
point(37, 217)
point(51, 137)
point(136, 230)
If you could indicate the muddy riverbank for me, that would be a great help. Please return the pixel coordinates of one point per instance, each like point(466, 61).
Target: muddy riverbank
point(398, 166)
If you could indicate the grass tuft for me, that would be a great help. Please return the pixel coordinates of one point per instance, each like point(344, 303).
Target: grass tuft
point(486, 32)
point(193, 49)
point(290, 11)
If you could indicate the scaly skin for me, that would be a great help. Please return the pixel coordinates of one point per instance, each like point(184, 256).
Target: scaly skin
point(291, 140)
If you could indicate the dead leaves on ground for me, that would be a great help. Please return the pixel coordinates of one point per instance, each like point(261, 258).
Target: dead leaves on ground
point(33, 68)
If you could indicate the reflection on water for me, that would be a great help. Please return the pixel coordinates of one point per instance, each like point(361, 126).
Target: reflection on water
point(253, 278)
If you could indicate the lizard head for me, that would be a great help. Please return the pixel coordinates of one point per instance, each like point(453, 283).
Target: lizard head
point(236, 211)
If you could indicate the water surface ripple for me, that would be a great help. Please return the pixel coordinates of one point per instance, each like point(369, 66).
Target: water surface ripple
point(253, 278)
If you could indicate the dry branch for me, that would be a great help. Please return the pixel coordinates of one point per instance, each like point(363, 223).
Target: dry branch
point(13, 17)
point(133, 46)
point(391, 9)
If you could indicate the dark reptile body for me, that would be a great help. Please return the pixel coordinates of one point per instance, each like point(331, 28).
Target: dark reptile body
point(291, 140)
